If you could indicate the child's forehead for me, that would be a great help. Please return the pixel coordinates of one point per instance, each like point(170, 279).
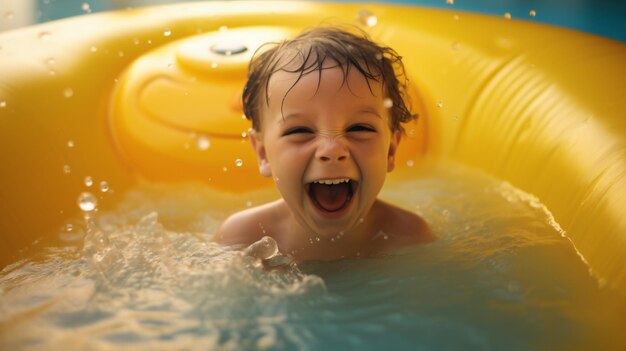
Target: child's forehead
point(296, 68)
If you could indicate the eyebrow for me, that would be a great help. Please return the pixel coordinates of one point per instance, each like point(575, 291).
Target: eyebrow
point(291, 115)
point(370, 110)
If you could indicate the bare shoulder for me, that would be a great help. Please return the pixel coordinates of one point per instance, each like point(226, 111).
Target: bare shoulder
point(406, 226)
point(246, 227)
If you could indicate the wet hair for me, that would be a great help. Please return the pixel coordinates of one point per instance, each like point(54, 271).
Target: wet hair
point(310, 50)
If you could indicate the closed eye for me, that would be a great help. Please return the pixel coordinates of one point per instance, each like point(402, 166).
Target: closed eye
point(361, 128)
point(298, 130)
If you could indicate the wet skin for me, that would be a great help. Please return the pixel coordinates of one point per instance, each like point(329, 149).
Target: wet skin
point(325, 129)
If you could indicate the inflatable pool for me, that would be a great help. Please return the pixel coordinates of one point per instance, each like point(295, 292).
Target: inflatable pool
point(153, 94)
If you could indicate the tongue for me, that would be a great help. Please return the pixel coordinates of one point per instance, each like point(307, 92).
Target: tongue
point(330, 197)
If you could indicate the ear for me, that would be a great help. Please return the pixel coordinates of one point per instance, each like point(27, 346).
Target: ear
point(393, 147)
point(256, 139)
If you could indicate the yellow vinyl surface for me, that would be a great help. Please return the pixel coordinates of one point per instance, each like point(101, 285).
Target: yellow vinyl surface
point(140, 94)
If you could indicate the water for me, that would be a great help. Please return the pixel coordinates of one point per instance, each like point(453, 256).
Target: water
point(145, 277)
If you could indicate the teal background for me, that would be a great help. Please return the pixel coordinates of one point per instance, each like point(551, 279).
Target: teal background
point(605, 18)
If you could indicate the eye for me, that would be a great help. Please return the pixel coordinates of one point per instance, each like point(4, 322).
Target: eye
point(361, 128)
point(298, 130)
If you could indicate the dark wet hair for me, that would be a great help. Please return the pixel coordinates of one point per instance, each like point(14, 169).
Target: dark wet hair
point(315, 46)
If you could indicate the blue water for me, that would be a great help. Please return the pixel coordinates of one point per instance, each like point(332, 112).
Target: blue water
point(501, 276)
point(605, 18)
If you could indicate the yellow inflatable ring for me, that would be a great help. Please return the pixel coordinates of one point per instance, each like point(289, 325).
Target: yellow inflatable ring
point(538, 106)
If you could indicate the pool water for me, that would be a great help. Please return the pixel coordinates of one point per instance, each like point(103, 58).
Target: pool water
point(144, 276)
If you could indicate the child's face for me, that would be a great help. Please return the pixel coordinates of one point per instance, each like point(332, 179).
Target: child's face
point(336, 131)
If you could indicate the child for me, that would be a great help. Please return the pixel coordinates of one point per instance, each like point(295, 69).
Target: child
point(326, 109)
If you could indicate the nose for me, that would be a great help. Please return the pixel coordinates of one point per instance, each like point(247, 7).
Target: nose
point(332, 149)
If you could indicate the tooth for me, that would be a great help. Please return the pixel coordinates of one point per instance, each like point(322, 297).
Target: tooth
point(331, 181)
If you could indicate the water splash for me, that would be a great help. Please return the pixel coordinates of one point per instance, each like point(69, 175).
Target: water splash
point(87, 202)
point(366, 19)
point(388, 103)
point(203, 142)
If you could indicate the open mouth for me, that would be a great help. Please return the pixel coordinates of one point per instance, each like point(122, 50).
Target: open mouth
point(331, 195)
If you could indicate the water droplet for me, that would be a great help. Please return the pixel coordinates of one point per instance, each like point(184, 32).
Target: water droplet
point(67, 169)
point(167, 32)
point(388, 103)
point(533, 13)
point(507, 15)
point(45, 35)
point(379, 56)
point(120, 54)
point(104, 186)
point(203, 142)
point(450, 2)
point(310, 241)
point(244, 134)
point(87, 201)
point(88, 181)
point(223, 28)
point(248, 203)
point(51, 61)
point(86, 7)
point(455, 17)
point(225, 169)
point(69, 227)
point(52, 72)
point(410, 163)
point(70, 143)
point(9, 15)
point(213, 64)
point(385, 236)
point(366, 18)
point(361, 220)
point(440, 104)
point(149, 41)
point(68, 92)
point(93, 48)
point(332, 239)
point(136, 41)
point(3, 104)
point(238, 162)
